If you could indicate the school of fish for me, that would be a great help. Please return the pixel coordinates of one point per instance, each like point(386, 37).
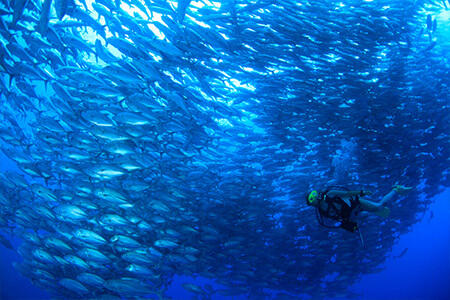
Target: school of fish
point(157, 138)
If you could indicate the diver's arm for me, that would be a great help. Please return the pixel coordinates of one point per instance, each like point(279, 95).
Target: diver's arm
point(347, 193)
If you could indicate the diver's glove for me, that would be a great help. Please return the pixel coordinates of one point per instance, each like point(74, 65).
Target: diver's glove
point(401, 189)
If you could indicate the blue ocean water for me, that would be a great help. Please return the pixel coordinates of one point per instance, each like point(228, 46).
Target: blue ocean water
point(421, 273)
point(230, 113)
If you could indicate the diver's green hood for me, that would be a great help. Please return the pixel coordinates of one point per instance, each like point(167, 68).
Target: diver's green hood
point(312, 197)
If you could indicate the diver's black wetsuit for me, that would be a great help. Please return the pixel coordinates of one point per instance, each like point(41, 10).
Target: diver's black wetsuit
point(341, 215)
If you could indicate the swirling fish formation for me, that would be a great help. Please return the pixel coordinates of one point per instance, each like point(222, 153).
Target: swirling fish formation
point(159, 138)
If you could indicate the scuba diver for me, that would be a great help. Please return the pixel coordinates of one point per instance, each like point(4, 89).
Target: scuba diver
point(343, 205)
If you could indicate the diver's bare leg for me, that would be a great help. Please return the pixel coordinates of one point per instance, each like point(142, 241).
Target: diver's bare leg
point(374, 207)
point(369, 205)
point(388, 197)
point(399, 189)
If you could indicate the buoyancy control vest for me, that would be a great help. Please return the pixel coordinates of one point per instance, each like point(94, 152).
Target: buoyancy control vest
point(342, 214)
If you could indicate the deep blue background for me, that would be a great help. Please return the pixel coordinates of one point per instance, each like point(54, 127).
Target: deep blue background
point(422, 273)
